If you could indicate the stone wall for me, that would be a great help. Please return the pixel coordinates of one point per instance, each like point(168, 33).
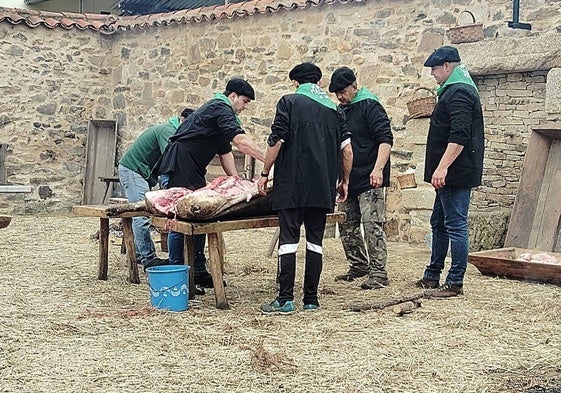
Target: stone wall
point(60, 79)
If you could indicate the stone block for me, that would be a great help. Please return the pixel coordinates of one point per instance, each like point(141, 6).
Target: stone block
point(553, 91)
point(417, 130)
point(418, 198)
point(487, 229)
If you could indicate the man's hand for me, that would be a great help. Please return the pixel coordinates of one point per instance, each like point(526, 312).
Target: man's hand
point(342, 191)
point(262, 185)
point(376, 177)
point(438, 179)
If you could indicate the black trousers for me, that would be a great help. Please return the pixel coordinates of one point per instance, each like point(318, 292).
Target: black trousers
point(290, 222)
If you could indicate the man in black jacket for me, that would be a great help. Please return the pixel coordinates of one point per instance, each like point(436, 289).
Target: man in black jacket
point(209, 131)
point(453, 165)
point(372, 141)
point(307, 136)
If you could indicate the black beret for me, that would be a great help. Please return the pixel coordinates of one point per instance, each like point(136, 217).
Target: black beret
point(442, 55)
point(305, 72)
point(241, 87)
point(186, 112)
point(341, 78)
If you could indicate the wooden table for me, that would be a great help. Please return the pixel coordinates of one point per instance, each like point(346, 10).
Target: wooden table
point(128, 238)
point(214, 231)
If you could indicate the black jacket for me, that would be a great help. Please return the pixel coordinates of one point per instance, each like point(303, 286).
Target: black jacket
point(457, 118)
point(205, 133)
point(308, 163)
point(369, 126)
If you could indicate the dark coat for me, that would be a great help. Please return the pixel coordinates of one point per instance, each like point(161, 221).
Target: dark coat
point(205, 133)
point(457, 118)
point(370, 127)
point(309, 160)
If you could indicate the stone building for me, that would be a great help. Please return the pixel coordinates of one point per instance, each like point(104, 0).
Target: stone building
point(62, 70)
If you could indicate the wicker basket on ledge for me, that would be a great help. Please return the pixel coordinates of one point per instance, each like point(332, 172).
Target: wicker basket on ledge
point(471, 32)
point(422, 106)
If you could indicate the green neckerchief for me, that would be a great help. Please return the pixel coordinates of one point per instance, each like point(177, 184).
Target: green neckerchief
point(315, 92)
point(364, 94)
point(222, 97)
point(459, 75)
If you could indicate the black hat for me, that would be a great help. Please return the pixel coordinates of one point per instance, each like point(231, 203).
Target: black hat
point(241, 87)
point(442, 55)
point(186, 112)
point(341, 78)
point(305, 73)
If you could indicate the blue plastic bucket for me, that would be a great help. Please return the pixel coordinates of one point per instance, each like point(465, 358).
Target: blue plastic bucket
point(169, 287)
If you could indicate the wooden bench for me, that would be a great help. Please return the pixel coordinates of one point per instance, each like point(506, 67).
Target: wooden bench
point(128, 238)
point(214, 231)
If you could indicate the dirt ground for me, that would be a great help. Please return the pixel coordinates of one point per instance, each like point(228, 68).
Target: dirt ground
point(62, 330)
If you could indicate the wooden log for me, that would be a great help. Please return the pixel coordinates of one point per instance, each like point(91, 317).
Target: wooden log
point(379, 305)
point(405, 308)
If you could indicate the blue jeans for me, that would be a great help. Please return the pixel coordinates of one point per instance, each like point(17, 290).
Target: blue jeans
point(176, 248)
point(135, 187)
point(449, 222)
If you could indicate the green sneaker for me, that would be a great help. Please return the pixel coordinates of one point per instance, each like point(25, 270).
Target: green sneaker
point(276, 308)
point(311, 307)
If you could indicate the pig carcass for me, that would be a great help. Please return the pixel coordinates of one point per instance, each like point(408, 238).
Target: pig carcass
point(224, 197)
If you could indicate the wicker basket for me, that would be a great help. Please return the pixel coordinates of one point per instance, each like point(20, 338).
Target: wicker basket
point(466, 33)
point(422, 106)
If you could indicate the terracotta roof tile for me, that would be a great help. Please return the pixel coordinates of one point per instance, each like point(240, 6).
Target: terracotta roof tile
point(110, 24)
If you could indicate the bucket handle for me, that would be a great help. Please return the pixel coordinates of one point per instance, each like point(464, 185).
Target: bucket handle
point(458, 18)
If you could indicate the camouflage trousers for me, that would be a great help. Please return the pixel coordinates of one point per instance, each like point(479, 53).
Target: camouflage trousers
point(366, 254)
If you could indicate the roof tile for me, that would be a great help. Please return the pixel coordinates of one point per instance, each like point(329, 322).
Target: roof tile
point(110, 24)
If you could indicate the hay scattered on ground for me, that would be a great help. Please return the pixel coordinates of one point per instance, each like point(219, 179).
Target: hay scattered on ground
point(62, 330)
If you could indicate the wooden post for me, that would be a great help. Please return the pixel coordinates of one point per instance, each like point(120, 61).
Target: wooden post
point(128, 238)
point(216, 271)
point(188, 249)
point(103, 248)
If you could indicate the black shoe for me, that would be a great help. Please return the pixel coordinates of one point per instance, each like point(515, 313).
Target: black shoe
point(155, 262)
point(199, 291)
point(204, 280)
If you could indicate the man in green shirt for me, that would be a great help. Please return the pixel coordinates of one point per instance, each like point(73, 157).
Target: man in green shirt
point(136, 177)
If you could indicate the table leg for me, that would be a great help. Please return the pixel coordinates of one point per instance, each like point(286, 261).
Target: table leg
point(188, 257)
point(215, 262)
point(128, 238)
point(103, 248)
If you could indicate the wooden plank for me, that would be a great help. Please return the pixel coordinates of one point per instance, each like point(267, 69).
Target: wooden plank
point(101, 147)
point(546, 222)
point(14, 188)
point(3, 170)
point(188, 249)
point(524, 210)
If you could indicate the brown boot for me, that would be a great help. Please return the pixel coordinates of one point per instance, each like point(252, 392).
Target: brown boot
point(427, 284)
point(444, 291)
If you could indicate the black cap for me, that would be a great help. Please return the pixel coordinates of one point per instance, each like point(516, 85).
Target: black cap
point(341, 78)
point(442, 55)
point(305, 73)
point(186, 112)
point(241, 87)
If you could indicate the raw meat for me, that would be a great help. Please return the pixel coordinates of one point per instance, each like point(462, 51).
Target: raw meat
point(165, 201)
point(225, 195)
point(540, 258)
